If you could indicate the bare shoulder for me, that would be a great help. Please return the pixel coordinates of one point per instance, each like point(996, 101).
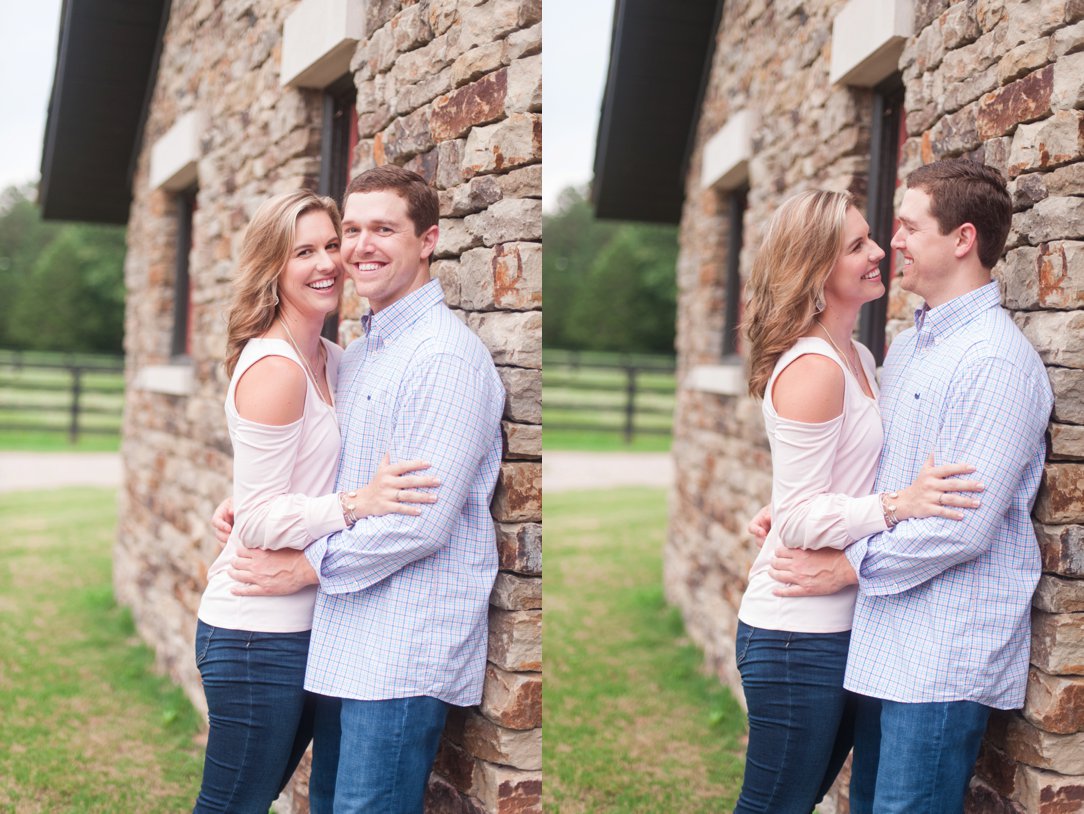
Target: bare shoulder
point(809, 389)
point(272, 391)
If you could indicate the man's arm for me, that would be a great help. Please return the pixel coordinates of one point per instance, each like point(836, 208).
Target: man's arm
point(449, 415)
point(994, 419)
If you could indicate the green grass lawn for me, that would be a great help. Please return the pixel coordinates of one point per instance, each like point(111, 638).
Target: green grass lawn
point(85, 725)
point(631, 722)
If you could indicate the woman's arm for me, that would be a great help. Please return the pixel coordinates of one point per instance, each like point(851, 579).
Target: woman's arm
point(270, 399)
point(808, 398)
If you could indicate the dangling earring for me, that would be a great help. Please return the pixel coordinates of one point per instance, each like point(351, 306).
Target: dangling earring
point(818, 303)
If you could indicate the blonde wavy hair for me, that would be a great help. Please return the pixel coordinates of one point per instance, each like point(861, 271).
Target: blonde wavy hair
point(268, 241)
point(786, 285)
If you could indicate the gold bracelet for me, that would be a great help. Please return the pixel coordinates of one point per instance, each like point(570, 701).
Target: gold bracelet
point(348, 506)
point(889, 509)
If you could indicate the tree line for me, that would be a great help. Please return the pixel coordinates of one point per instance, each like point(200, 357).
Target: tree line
point(608, 286)
point(62, 283)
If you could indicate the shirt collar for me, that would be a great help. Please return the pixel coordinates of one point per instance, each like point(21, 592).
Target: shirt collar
point(392, 321)
point(936, 323)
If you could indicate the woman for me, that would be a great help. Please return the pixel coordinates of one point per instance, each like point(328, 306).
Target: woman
point(816, 268)
point(280, 409)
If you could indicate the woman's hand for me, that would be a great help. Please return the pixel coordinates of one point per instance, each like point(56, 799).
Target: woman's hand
point(934, 492)
point(392, 489)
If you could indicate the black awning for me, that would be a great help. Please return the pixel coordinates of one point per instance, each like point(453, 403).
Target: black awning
point(106, 60)
point(660, 58)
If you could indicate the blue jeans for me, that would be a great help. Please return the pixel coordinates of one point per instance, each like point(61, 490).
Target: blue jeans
point(801, 720)
point(929, 752)
point(261, 717)
point(386, 750)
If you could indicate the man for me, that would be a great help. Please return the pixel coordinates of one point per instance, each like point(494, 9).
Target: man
point(941, 628)
point(400, 626)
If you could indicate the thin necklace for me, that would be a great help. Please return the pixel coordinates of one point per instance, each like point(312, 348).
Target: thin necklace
point(308, 369)
point(846, 358)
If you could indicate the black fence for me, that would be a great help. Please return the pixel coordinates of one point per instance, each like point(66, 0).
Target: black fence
point(57, 393)
point(590, 392)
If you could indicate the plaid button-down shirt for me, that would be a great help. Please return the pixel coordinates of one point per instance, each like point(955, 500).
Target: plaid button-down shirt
point(403, 602)
point(943, 611)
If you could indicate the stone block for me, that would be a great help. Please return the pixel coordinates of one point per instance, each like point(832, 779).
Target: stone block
point(951, 135)
point(1024, 100)
point(513, 700)
point(1069, 39)
point(478, 62)
point(447, 271)
point(524, 85)
point(441, 797)
point(1055, 703)
point(1043, 792)
point(480, 102)
point(522, 441)
point(1059, 595)
point(514, 592)
point(1047, 331)
point(471, 197)
point(523, 389)
point(410, 28)
point(514, 142)
point(515, 338)
point(1068, 90)
point(508, 220)
point(524, 42)
point(1030, 21)
point(449, 166)
point(518, 748)
point(1066, 442)
point(508, 276)
point(518, 496)
point(1057, 639)
point(406, 137)
point(1025, 743)
point(1051, 142)
point(960, 25)
point(1068, 386)
point(1062, 549)
point(454, 239)
point(515, 639)
point(525, 182)
point(1024, 59)
point(503, 790)
point(519, 547)
point(1061, 494)
point(1050, 275)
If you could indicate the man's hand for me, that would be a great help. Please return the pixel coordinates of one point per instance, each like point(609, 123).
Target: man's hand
point(222, 520)
point(761, 524)
point(810, 572)
point(270, 573)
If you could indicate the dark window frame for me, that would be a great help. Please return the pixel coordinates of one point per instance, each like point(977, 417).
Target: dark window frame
point(885, 141)
point(180, 344)
point(737, 203)
point(338, 137)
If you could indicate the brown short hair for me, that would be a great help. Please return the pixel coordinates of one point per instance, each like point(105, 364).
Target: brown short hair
point(965, 191)
point(423, 208)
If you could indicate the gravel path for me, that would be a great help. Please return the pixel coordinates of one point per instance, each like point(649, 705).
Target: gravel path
point(20, 471)
point(561, 471)
point(574, 471)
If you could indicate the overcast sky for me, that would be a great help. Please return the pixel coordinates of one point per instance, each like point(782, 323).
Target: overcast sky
point(575, 54)
point(576, 37)
point(27, 62)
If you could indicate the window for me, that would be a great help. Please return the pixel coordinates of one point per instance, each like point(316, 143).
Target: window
point(181, 341)
point(737, 200)
point(339, 137)
point(888, 134)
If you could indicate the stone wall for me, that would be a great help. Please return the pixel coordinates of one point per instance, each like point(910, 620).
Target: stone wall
point(451, 89)
point(998, 80)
